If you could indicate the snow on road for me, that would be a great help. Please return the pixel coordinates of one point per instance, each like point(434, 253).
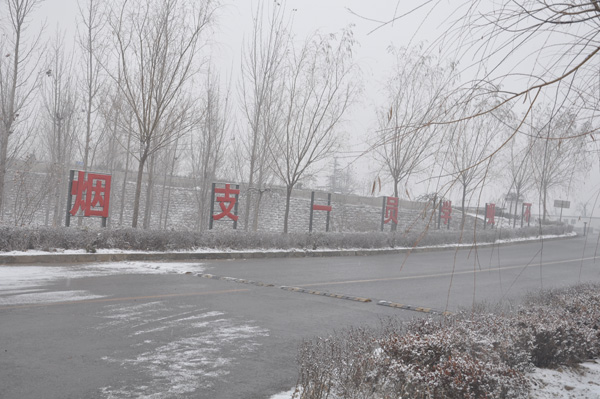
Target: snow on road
point(28, 284)
point(178, 349)
point(201, 352)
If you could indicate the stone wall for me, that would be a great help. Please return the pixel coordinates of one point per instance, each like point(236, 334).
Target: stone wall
point(176, 206)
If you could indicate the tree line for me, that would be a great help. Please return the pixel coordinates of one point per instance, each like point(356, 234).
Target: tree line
point(139, 95)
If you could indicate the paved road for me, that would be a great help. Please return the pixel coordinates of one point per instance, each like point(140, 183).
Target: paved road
point(141, 329)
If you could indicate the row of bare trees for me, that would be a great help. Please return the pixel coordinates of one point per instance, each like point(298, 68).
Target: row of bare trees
point(130, 91)
point(544, 149)
point(294, 99)
point(521, 110)
point(139, 96)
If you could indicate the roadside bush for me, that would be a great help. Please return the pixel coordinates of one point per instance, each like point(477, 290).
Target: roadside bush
point(564, 325)
point(91, 239)
point(481, 353)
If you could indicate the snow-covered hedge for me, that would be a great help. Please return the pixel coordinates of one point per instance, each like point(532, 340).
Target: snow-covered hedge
point(480, 353)
point(47, 238)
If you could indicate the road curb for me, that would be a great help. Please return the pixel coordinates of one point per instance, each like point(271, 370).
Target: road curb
point(414, 308)
point(60, 258)
point(327, 294)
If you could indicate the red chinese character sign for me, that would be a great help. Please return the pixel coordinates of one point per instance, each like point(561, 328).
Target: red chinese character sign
point(389, 212)
point(490, 214)
point(228, 203)
point(445, 213)
point(92, 196)
point(526, 213)
point(317, 207)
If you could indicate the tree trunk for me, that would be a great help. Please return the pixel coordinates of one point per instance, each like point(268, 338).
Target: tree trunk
point(138, 192)
point(171, 172)
point(58, 170)
point(250, 181)
point(9, 118)
point(288, 197)
point(48, 199)
point(257, 210)
point(57, 181)
point(248, 198)
point(124, 189)
point(516, 207)
point(394, 226)
point(544, 204)
point(3, 164)
point(202, 202)
point(168, 199)
point(149, 190)
point(163, 190)
point(462, 207)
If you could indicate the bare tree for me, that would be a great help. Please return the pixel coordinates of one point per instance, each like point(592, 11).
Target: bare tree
point(112, 147)
point(90, 42)
point(30, 192)
point(128, 122)
point(60, 103)
point(342, 178)
point(157, 45)
point(207, 144)
point(519, 173)
point(519, 48)
point(558, 152)
point(262, 74)
point(151, 174)
point(471, 146)
point(169, 165)
point(415, 96)
point(18, 76)
point(522, 53)
point(319, 89)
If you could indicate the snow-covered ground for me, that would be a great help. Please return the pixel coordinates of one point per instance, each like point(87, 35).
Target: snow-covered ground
point(572, 383)
point(581, 382)
point(25, 284)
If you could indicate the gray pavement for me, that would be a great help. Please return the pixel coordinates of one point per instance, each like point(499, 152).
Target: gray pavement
point(227, 329)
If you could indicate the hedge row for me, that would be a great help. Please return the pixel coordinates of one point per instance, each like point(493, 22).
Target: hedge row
point(49, 239)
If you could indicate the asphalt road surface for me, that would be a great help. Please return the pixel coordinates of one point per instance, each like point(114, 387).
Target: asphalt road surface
point(227, 329)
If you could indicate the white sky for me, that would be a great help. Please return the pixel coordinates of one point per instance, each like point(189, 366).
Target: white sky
point(327, 16)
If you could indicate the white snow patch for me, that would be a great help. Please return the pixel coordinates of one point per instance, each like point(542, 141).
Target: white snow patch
point(284, 395)
point(582, 382)
point(49, 296)
point(19, 284)
point(194, 358)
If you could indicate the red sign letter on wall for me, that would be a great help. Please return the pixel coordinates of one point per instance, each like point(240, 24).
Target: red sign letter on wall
point(527, 213)
point(446, 211)
point(490, 213)
point(391, 210)
point(226, 199)
point(92, 195)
